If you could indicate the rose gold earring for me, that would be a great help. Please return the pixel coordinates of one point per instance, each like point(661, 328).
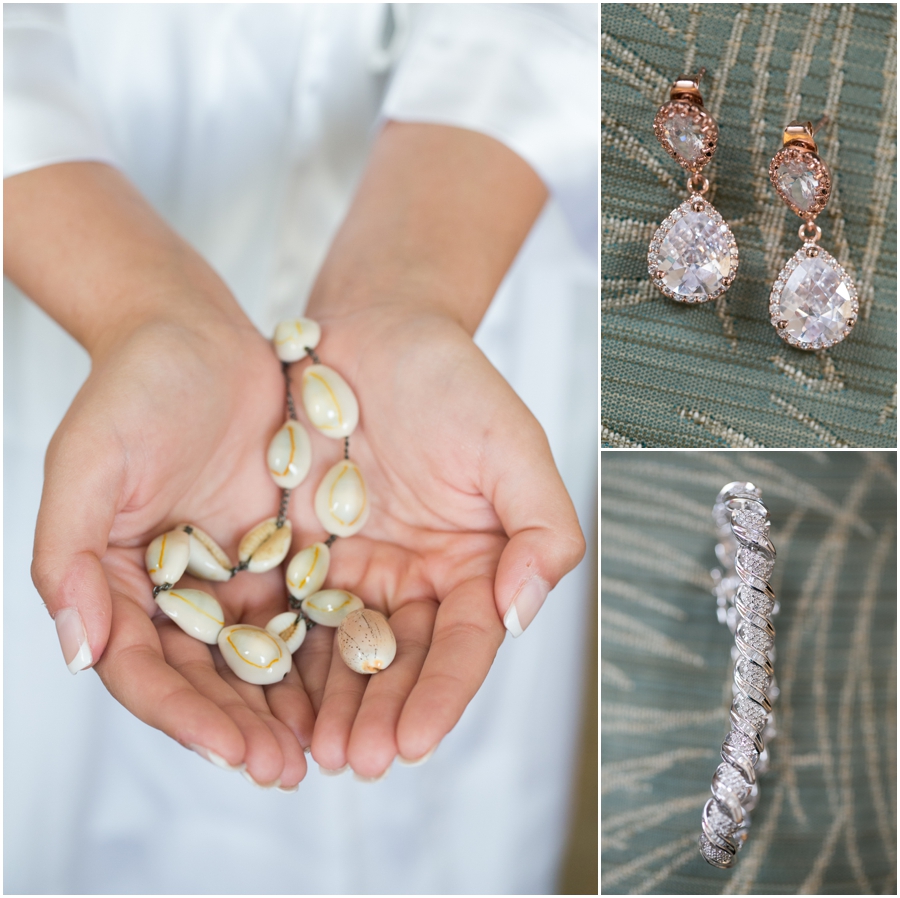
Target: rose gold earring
point(813, 304)
point(693, 256)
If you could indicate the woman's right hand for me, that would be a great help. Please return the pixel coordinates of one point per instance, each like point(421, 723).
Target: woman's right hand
point(171, 426)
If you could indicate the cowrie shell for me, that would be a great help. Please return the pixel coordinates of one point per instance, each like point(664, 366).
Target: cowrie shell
point(342, 502)
point(307, 570)
point(167, 557)
point(293, 337)
point(207, 559)
point(366, 641)
point(330, 606)
point(254, 654)
point(330, 404)
point(289, 455)
point(290, 627)
point(265, 546)
point(195, 611)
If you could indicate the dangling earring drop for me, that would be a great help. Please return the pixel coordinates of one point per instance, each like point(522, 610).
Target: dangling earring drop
point(693, 256)
point(813, 303)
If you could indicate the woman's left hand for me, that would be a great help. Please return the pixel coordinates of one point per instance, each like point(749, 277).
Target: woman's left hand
point(470, 525)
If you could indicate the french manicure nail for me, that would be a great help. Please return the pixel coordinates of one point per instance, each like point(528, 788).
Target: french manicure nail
point(291, 789)
point(213, 758)
point(73, 639)
point(338, 772)
point(526, 605)
point(273, 785)
point(419, 761)
point(371, 779)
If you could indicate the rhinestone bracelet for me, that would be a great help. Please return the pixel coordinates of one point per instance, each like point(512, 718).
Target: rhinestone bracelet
point(263, 655)
point(746, 603)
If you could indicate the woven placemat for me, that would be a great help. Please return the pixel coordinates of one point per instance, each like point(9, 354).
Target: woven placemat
point(826, 822)
point(718, 375)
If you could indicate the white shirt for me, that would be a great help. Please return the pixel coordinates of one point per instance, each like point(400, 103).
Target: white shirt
point(247, 126)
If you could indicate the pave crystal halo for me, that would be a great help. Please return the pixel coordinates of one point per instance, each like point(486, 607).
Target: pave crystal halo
point(693, 257)
point(813, 304)
point(802, 180)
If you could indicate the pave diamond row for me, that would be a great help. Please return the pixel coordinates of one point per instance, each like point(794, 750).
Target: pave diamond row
point(746, 604)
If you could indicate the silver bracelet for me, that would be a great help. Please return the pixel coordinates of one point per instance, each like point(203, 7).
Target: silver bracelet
point(746, 603)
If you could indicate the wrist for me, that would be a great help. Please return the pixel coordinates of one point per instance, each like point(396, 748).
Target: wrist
point(82, 243)
point(391, 297)
point(436, 222)
point(162, 303)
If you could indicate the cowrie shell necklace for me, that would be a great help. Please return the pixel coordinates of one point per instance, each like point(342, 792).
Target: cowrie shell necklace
point(263, 655)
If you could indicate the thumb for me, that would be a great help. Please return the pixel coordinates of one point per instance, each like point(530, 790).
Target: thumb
point(82, 484)
point(545, 539)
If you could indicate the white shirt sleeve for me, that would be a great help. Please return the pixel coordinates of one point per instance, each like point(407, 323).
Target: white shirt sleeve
point(46, 119)
point(524, 74)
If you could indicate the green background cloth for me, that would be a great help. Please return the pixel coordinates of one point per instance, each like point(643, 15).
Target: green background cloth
point(718, 375)
point(827, 818)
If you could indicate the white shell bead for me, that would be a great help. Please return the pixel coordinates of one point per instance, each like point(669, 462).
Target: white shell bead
point(207, 560)
point(307, 571)
point(265, 546)
point(195, 611)
point(293, 337)
point(329, 402)
point(254, 654)
point(366, 641)
point(342, 503)
point(330, 606)
point(289, 455)
point(289, 627)
point(167, 557)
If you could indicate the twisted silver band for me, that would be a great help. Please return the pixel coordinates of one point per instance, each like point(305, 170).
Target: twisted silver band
point(746, 603)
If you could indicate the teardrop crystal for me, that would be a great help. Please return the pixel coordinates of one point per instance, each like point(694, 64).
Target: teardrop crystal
point(693, 256)
point(814, 303)
point(801, 179)
point(798, 183)
point(683, 137)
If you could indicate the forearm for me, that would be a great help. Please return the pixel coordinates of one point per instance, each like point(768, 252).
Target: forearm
point(436, 222)
point(81, 242)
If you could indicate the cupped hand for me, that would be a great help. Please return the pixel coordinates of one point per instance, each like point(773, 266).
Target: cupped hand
point(171, 426)
point(470, 526)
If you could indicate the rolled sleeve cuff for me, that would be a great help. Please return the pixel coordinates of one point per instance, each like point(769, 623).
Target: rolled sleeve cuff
point(46, 119)
point(521, 75)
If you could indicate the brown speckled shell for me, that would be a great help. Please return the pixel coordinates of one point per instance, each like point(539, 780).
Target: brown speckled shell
point(366, 641)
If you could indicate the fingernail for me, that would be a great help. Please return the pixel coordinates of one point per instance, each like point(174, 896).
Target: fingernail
point(307, 749)
point(291, 789)
point(338, 772)
point(419, 761)
point(273, 785)
point(73, 639)
point(371, 779)
point(526, 605)
point(213, 758)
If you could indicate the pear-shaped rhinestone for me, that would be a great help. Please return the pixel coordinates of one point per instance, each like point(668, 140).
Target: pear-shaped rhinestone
point(683, 137)
point(687, 132)
point(801, 179)
point(797, 181)
point(814, 303)
point(693, 256)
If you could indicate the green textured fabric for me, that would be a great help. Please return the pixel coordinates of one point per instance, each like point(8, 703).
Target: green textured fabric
point(718, 375)
point(826, 821)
